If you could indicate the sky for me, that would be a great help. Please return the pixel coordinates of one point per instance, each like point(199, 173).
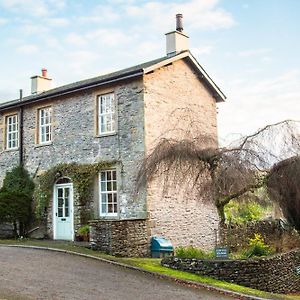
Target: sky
point(249, 47)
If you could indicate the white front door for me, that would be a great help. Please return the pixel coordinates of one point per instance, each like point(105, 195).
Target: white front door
point(63, 212)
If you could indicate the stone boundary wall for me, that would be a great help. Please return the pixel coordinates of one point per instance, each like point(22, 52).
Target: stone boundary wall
point(276, 233)
point(277, 274)
point(120, 237)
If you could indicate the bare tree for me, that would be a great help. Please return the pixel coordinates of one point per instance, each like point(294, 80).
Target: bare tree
point(226, 172)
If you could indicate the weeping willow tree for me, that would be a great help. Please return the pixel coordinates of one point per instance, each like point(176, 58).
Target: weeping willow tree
point(284, 188)
point(226, 172)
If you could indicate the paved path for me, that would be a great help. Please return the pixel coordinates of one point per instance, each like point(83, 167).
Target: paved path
point(40, 274)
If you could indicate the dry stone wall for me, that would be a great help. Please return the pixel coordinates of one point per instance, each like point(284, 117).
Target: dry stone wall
point(277, 234)
point(278, 274)
point(120, 237)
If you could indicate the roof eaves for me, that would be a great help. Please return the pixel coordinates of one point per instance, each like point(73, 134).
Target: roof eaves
point(220, 96)
point(61, 91)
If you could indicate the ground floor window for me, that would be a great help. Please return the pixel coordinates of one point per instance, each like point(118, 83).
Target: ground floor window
point(108, 193)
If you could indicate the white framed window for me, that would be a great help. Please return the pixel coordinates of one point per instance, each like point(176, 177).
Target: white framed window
point(108, 193)
point(12, 132)
point(45, 125)
point(106, 114)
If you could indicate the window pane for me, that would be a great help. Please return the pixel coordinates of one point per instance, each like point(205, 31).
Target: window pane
point(115, 207)
point(60, 212)
point(109, 186)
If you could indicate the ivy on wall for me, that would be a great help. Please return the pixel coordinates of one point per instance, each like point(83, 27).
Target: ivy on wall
point(81, 175)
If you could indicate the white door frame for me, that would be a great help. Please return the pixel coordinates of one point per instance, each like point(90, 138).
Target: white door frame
point(54, 204)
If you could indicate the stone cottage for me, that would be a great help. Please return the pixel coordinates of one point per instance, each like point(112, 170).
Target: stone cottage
point(112, 121)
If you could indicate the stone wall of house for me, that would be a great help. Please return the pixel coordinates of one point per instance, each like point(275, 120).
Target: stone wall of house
point(179, 106)
point(75, 140)
point(278, 274)
point(277, 234)
point(120, 237)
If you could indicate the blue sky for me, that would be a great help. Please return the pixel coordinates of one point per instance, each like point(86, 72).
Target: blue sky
point(249, 47)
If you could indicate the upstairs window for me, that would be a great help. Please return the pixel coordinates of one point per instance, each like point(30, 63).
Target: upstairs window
point(106, 114)
point(108, 193)
point(45, 125)
point(12, 132)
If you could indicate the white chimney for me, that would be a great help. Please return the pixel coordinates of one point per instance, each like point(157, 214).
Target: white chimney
point(177, 41)
point(39, 83)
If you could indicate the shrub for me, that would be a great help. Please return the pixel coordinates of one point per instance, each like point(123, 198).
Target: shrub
point(192, 252)
point(258, 247)
point(243, 212)
point(16, 199)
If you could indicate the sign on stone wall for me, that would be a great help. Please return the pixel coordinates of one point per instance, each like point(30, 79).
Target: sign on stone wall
point(221, 252)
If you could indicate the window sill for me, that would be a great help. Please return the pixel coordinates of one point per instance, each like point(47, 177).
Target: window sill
point(11, 150)
point(109, 217)
point(42, 145)
point(105, 134)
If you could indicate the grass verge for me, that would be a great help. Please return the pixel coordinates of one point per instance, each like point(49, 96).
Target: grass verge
point(153, 265)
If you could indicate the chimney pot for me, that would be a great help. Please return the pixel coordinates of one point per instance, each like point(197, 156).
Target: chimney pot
point(44, 72)
point(179, 23)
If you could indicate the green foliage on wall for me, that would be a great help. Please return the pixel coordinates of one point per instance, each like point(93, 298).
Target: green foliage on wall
point(81, 175)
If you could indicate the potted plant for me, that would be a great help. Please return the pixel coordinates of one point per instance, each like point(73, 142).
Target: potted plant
point(83, 233)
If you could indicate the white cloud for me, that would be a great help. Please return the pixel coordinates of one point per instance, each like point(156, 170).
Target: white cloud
point(204, 50)
point(57, 22)
point(200, 14)
point(100, 14)
point(3, 21)
point(35, 8)
point(27, 49)
point(254, 104)
point(254, 52)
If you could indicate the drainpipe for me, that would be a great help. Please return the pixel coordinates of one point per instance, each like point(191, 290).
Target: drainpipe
point(21, 131)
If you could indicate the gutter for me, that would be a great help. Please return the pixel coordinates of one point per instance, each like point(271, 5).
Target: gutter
point(68, 91)
point(21, 121)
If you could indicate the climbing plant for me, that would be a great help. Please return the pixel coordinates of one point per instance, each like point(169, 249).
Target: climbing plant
point(82, 176)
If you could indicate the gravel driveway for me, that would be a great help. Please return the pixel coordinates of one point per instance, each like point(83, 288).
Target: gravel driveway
point(40, 274)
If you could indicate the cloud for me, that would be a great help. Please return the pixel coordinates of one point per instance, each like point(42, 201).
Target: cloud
point(269, 100)
point(204, 50)
point(254, 52)
point(200, 14)
point(57, 22)
point(101, 14)
point(27, 49)
point(35, 8)
point(3, 21)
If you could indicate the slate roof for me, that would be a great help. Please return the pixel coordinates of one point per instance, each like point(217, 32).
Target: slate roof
point(127, 73)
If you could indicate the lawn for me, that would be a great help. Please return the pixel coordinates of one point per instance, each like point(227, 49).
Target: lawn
point(152, 265)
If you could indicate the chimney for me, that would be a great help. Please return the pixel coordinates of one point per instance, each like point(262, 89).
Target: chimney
point(177, 41)
point(41, 83)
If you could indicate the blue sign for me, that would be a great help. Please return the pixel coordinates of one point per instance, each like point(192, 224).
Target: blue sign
point(221, 252)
